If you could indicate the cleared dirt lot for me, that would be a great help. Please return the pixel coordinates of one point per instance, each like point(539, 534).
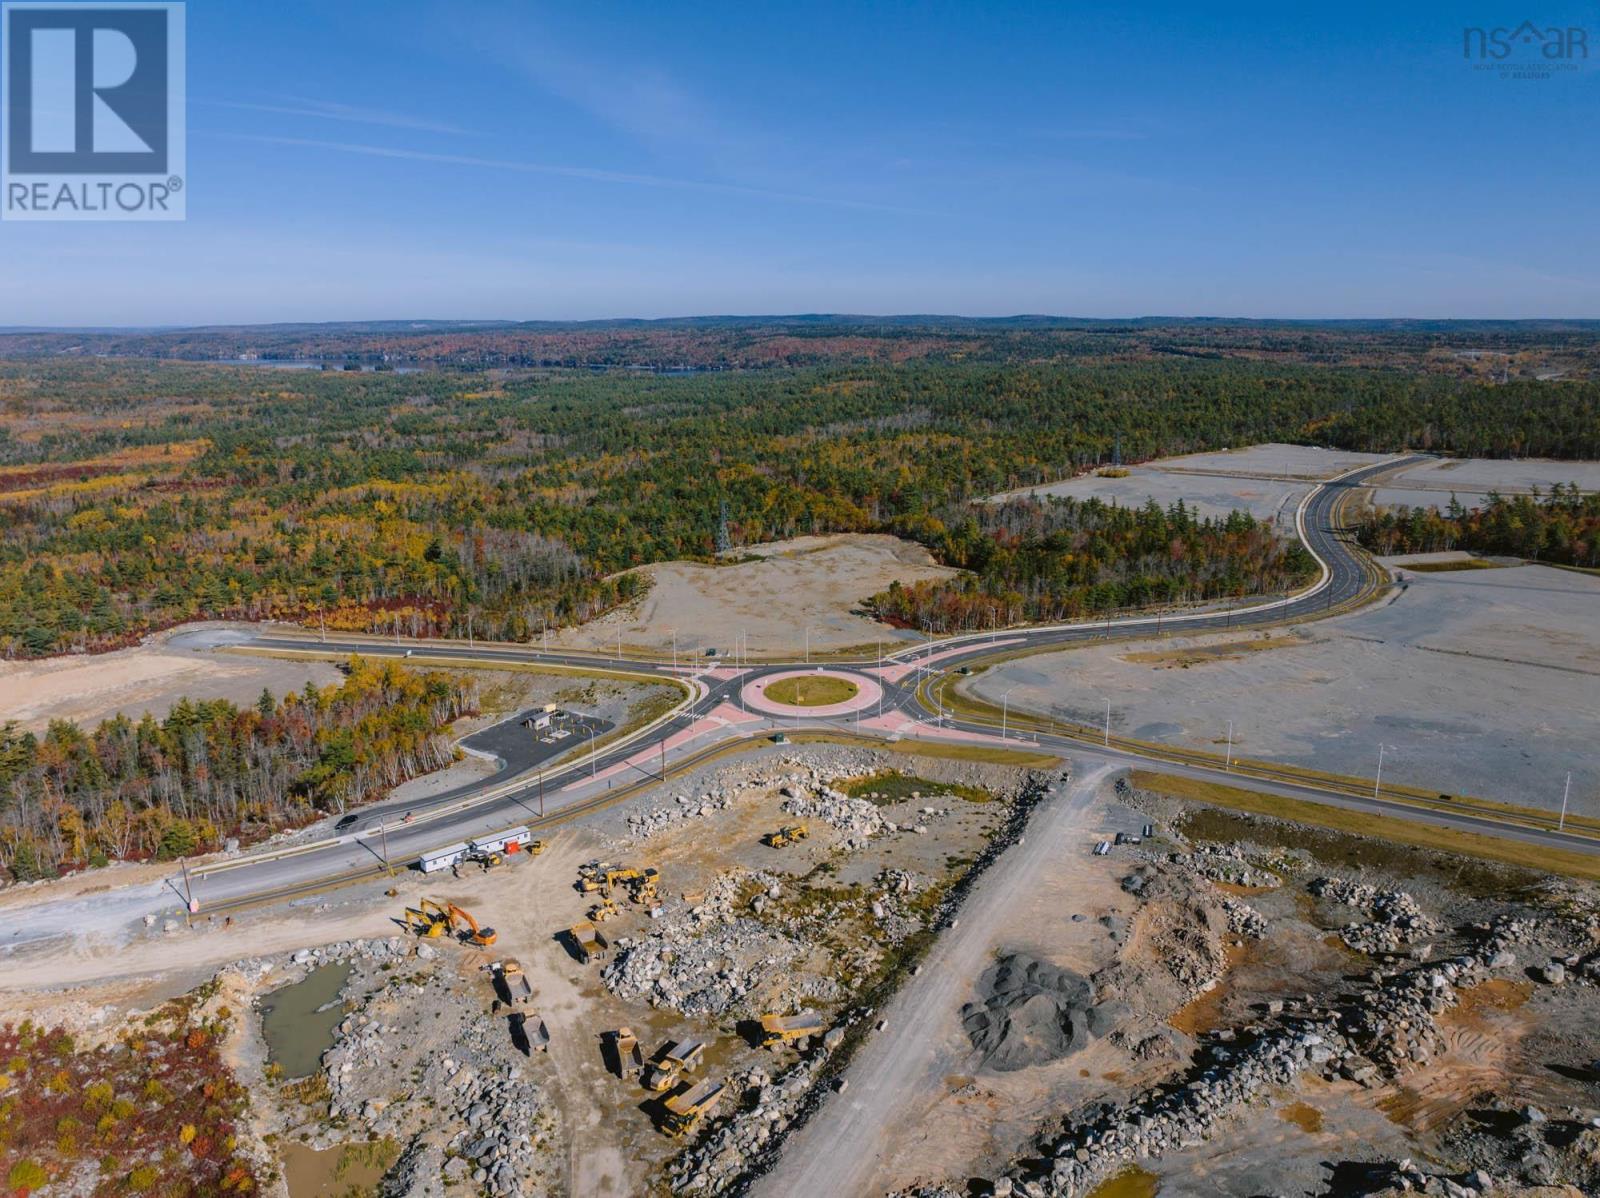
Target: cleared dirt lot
point(1430, 484)
point(816, 581)
point(149, 677)
point(1264, 480)
point(1483, 682)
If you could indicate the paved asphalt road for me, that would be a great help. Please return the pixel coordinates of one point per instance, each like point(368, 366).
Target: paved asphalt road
point(592, 780)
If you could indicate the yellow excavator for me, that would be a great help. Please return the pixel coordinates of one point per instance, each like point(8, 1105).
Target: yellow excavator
point(785, 836)
point(428, 919)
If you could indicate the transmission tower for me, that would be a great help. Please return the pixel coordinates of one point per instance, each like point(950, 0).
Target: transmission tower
point(724, 541)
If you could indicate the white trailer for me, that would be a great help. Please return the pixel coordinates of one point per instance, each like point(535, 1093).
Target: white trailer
point(500, 842)
point(444, 858)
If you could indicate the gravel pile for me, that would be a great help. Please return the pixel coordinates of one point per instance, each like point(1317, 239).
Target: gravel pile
point(1030, 1013)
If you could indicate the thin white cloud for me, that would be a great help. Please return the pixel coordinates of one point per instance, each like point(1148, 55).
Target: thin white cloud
point(593, 174)
point(352, 113)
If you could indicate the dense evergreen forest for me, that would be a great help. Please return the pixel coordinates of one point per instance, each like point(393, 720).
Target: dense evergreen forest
point(140, 494)
point(1562, 526)
point(1058, 559)
point(210, 770)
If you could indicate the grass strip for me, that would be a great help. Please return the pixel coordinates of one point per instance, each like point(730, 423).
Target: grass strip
point(1536, 857)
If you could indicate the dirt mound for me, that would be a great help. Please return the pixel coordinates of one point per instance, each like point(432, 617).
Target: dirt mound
point(1032, 1012)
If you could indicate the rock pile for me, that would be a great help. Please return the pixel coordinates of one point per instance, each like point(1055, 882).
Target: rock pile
point(1396, 919)
point(1225, 863)
point(1243, 919)
point(859, 819)
point(712, 958)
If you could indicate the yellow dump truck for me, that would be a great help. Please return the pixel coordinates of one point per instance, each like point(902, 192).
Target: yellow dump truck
point(587, 940)
point(674, 1059)
point(786, 1029)
point(682, 1109)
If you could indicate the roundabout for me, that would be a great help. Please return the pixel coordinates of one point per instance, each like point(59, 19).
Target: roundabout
point(813, 692)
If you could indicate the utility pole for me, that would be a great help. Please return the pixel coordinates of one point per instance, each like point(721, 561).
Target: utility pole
point(189, 907)
point(663, 759)
point(322, 618)
point(1378, 781)
point(1565, 795)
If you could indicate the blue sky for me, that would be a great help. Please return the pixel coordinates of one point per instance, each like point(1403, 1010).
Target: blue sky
point(359, 160)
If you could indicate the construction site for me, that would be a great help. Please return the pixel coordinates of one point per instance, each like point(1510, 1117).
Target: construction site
point(825, 969)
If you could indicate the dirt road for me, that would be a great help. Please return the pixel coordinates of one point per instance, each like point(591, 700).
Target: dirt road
point(838, 1152)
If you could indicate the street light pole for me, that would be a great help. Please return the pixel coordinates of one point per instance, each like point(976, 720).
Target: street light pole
point(594, 768)
point(1228, 764)
point(1005, 707)
point(383, 831)
point(1565, 795)
point(1108, 724)
point(1378, 781)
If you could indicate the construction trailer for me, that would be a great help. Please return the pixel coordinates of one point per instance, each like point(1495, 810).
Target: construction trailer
point(510, 841)
point(444, 858)
point(786, 1029)
point(588, 940)
point(681, 1110)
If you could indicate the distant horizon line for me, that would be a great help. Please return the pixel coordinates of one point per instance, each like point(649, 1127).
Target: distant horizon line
point(424, 324)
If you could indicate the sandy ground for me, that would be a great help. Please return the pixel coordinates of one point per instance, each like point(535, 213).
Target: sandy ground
point(1264, 480)
point(1483, 682)
point(149, 677)
point(1430, 484)
point(815, 581)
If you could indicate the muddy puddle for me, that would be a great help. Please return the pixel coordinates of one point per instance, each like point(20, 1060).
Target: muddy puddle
point(1132, 1182)
point(298, 1020)
point(343, 1171)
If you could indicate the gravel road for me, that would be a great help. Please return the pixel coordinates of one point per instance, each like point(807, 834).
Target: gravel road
point(837, 1151)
